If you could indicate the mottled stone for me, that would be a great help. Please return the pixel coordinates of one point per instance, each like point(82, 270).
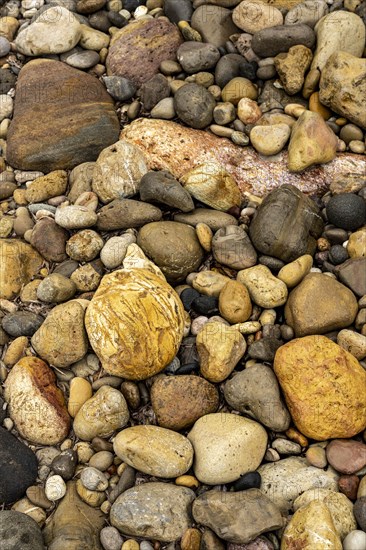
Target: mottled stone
point(19, 263)
point(19, 530)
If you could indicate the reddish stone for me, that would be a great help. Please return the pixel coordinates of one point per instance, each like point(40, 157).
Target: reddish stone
point(348, 485)
point(347, 456)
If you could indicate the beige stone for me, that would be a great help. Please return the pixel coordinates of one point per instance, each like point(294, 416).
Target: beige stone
point(204, 235)
point(311, 525)
point(292, 66)
point(210, 282)
point(352, 341)
point(19, 263)
point(46, 187)
point(154, 450)
point(220, 348)
point(356, 246)
point(15, 351)
point(293, 273)
point(92, 39)
point(211, 184)
point(101, 415)
point(92, 498)
point(249, 111)
point(238, 88)
point(8, 27)
point(269, 140)
point(252, 16)
point(234, 302)
point(312, 142)
point(265, 289)
point(226, 446)
point(80, 392)
point(324, 399)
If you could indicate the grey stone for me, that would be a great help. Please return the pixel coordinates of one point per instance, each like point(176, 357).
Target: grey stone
point(274, 40)
point(231, 246)
point(163, 188)
point(352, 274)
point(119, 87)
point(214, 23)
point(194, 105)
point(126, 213)
point(19, 531)
point(21, 323)
point(197, 56)
point(80, 59)
point(213, 218)
point(359, 510)
point(178, 10)
point(4, 46)
point(308, 13)
point(264, 349)
point(154, 90)
point(230, 66)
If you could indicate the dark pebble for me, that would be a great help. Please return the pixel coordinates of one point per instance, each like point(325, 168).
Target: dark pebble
point(7, 188)
point(154, 90)
point(264, 349)
point(178, 10)
point(271, 331)
point(19, 531)
point(274, 264)
point(21, 323)
point(117, 19)
point(173, 366)
point(359, 511)
point(338, 254)
point(206, 305)
point(187, 296)
point(347, 211)
point(66, 268)
point(228, 67)
point(248, 70)
point(131, 5)
point(251, 480)
point(100, 21)
point(348, 485)
point(119, 87)
point(19, 468)
point(336, 235)
point(188, 368)
point(7, 81)
point(65, 463)
point(188, 351)
point(194, 105)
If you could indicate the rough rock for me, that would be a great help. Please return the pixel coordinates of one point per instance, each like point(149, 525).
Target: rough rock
point(126, 214)
point(291, 67)
point(19, 530)
point(321, 381)
point(194, 105)
point(144, 343)
point(49, 129)
point(265, 289)
point(19, 263)
point(265, 16)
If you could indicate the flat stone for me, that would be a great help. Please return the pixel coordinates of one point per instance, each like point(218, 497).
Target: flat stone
point(72, 129)
point(125, 214)
point(212, 218)
point(137, 50)
point(80, 59)
point(157, 511)
point(321, 381)
point(178, 10)
point(277, 39)
point(119, 87)
point(230, 522)
point(163, 188)
point(20, 262)
point(269, 140)
point(351, 273)
point(114, 251)
point(18, 530)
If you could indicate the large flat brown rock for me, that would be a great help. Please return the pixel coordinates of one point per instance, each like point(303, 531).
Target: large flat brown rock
point(62, 117)
point(170, 146)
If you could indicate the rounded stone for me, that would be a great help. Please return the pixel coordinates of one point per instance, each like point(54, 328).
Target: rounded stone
point(237, 89)
point(231, 246)
point(110, 538)
point(265, 289)
point(251, 480)
point(173, 247)
point(94, 479)
point(359, 510)
point(347, 457)
point(114, 251)
point(234, 303)
point(21, 323)
point(75, 217)
point(84, 245)
point(154, 451)
point(80, 392)
point(194, 105)
point(55, 488)
point(270, 140)
point(19, 530)
point(293, 273)
point(197, 56)
point(347, 211)
point(252, 16)
point(56, 288)
point(226, 446)
point(355, 540)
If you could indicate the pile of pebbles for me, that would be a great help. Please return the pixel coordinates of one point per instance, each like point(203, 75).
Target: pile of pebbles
point(182, 277)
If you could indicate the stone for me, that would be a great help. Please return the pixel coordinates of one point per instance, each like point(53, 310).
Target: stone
point(286, 224)
point(248, 111)
point(252, 16)
point(318, 404)
point(56, 288)
point(142, 345)
point(283, 481)
point(265, 289)
point(54, 31)
point(137, 50)
point(154, 510)
point(80, 180)
point(75, 217)
point(119, 87)
point(45, 187)
point(163, 188)
point(356, 247)
point(65, 463)
point(19, 530)
point(359, 510)
point(21, 323)
point(214, 219)
point(194, 105)
point(255, 392)
point(74, 523)
point(231, 246)
point(212, 185)
point(347, 211)
point(351, 273)
point(178, 401)
point(80, 392)
point(344, 100)
point(270, 42)
point(307, 13)
point(164, 109)
point(269, 140)
point(154, 451)
point(36, 404)
point(84, 245)
point(310, 308)
point(353, 342)
point(309, 525)
point(118, 171)
point(153, 91)
point(178, 10)
point(62, 339)
point(220, 348)
point(292, 66)
point(19, 468)
point(312, 142)
point(101, 415)
point(94, 479)
point(110, 538)
point(214, 23)
point(230, 66)
point(347, 457)
point(173, 247)
point(172, 147)
point(234, 302)
point(49, 239)
point(55, 488)
point(197, 56)
point(80, 59)
point(226, 446)
point(126, 214)
point(20, 262)
point(238, 88)
point(355, 540)
point(115, 249)
point(220, 512)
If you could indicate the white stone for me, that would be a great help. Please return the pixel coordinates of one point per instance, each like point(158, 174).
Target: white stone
point(75, 217)
point(55, 488)
point(114, 251)
point(355, 540)
point(6, 106)
point(94, 479)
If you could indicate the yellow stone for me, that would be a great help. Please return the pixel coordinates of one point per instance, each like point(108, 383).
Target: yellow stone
point(204, 235)
point(19, 262)
point(220, 348)
point(8, 27)
point(321, 383)
point(130, 544)
point(238, 88)
point(93, 498)
point(15, 351)
point(356, 246)
point(135, 323)
point(316, 107)
point(191, 539)
point(294, 272)
point(80, 392)
point(210, 283)
point(310, 528)
point(45, 187)
point(29, 292)
point(234, 303)
point(187, 481)
point(19, 197)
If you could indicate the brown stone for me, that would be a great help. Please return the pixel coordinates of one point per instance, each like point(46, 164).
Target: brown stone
point(170, 146)
point(50, 240)
point(178, 401)
point(62, 117)
point(137, 50)
point(19, 262)
point(347, 457)
point(348, 485)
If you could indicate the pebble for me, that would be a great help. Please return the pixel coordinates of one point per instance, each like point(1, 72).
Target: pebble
point(21, 323)
point(347, 211)
point(94, 479)
point(18, 528)
point(75, 217)
point(234, 302)
point(56, 288)
point(231, 246)
point(55, 488)
point(270, 140)
point(110, 538)
point(266, 16)
point(347, 457)
point(194, 105)
point(355, 540)
point(80, 392)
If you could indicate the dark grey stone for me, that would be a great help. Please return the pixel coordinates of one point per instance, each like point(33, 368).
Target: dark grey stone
point(274, 40)
point(178, 10)
point(19, 532)
point(352, 274)
point(194, 105)
point(347, 211)
point(7, 80)
point(21, 323)
point(126, 213)
point(154, 90)
point(264, 349)
point(119, 87)
point(214, 23)
point(197, 56)
point(163, 188)
point(231, 246)
point(65, 463)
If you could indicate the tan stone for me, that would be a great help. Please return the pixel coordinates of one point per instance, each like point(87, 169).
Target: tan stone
point(220, 348)
point(238, 88)
point(294, 272)
point(154, 450)
point(253, 15)
point(226, 446)
point(249, 111)
point(92, 498)
point(356, 246)
point(8, 27)
point(354, 342)
point(36, 404)
point(45, 187)
point(92, 39)
point(191, 540)
point(170, 146)
point(135, 323)
point(292, 66)
point(312, 142)
point(211, 184)
point(265, 289)
point(209, 282)
point(204, 235)
point(15, 351)
point(19, 262)
point(320, 304)
point(80, 392)
point(317, 107)
point(270, 140)
point(310, 526)
point(234, 303)
point(321, 383)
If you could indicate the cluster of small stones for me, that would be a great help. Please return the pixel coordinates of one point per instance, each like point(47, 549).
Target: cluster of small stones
point(183, 275)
